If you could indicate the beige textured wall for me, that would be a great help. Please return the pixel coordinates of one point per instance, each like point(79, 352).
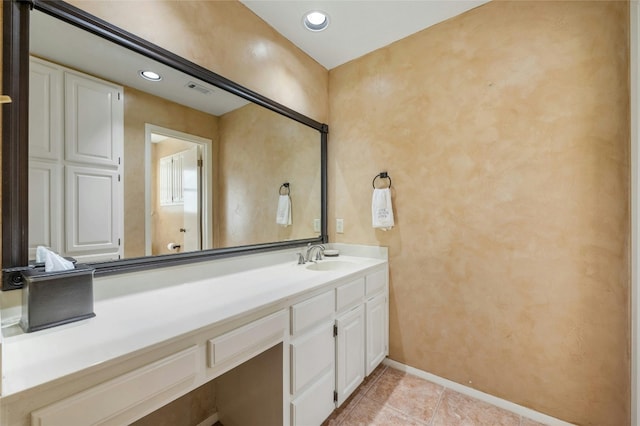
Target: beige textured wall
point(227, 38)
point(259, 151)
point(141, 108)
point(506, 133)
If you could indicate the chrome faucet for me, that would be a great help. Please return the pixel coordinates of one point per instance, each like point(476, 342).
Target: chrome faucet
point(319, 254)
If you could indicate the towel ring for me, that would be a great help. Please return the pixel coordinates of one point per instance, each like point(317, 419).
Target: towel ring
point(382, 175)
point(286, 188)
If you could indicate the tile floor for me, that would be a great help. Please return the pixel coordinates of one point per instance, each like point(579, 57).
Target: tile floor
point(390, 397)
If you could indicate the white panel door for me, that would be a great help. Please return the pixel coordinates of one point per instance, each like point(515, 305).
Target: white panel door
point(45, 204)
point(376, 314)
point(93, 209)
point(191, 199)
point(349, 352)
point(45, 110)
point(93, 120)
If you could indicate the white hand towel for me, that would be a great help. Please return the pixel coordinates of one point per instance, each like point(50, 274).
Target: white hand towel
point(283, 216)
point(381, 209)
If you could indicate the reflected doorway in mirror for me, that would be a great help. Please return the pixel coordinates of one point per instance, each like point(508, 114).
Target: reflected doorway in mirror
point(177, 191)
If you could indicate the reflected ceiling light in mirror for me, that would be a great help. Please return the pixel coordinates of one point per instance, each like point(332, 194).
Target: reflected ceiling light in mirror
point(315, 20)
point(150, 75)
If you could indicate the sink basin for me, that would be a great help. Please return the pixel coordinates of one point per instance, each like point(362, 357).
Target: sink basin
point(330, 265)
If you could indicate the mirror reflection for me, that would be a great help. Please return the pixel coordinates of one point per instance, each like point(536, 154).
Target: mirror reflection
point(123, 166)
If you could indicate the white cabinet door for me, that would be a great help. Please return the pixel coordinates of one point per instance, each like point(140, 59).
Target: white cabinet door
point(376, 314)
point(315, 404)
point(45, 110)
point(45, 204)
point(349, 352)
point(93, 120)
point(92, 210)
point(311, 355)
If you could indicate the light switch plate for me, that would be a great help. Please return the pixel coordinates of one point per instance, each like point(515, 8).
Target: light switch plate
point(339, 226)
point(316, 225)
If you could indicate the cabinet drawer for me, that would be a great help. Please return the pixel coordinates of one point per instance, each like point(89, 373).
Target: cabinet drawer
point(314, 405)
point(376, 282)
point(311, 355)
point(250, 336)
point(312, 311)
point(349, 294)
point(101, 404)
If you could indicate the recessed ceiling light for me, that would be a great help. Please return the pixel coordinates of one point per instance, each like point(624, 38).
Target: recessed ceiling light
point(150, 75)
point(315, 20)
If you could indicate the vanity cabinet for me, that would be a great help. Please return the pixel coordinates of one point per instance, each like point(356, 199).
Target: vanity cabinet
point(320, 339)
point(338, 338)
point(349, 352)
point(350, 338)
point(127, 397)
point(76, 140)
point(312, 351)
point(377, 319)
point(376, 325)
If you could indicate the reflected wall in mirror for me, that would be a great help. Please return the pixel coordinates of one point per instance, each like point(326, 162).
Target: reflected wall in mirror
point(111, 184)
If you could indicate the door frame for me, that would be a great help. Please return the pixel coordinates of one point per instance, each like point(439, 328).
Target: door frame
point(634, 57)
point(207, 182)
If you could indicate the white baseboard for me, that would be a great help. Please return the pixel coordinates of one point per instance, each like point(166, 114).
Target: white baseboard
point(465, 390)
point(209, 421)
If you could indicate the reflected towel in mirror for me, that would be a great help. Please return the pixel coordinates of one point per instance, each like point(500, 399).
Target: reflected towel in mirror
point(283, 216)
point(382, 209)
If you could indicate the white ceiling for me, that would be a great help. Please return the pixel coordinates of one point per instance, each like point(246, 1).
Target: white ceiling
point(345, 39)
point(356, 27)
point(70, 46)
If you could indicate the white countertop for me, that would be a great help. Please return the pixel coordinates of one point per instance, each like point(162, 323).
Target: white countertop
point(127, 322)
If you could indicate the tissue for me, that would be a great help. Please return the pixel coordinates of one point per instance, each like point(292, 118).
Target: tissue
point(52, 261)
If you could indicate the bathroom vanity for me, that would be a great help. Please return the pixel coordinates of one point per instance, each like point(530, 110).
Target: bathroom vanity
point(159, 334)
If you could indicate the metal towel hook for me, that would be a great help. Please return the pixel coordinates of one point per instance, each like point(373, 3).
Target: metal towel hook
point(382, 175)
point(286, 188)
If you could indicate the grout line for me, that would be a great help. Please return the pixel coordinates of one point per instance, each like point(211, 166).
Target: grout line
point(397, 410)
point(404, 414)
point(435, 411)
point(366, 389)
point(346, 412)
point(384, 370)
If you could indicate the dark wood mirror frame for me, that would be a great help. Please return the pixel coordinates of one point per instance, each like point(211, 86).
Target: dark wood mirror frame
point(15, 143)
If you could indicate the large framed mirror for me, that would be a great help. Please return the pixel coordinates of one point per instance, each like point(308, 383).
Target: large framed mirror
point(127, 171)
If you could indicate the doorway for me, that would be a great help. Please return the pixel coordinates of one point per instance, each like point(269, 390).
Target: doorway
point(177, 192)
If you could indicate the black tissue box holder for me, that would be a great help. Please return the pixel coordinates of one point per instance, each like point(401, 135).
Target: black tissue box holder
point(55, 298)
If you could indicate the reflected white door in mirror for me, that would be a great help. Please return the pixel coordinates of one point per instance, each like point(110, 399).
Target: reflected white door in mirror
point(75, 163)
